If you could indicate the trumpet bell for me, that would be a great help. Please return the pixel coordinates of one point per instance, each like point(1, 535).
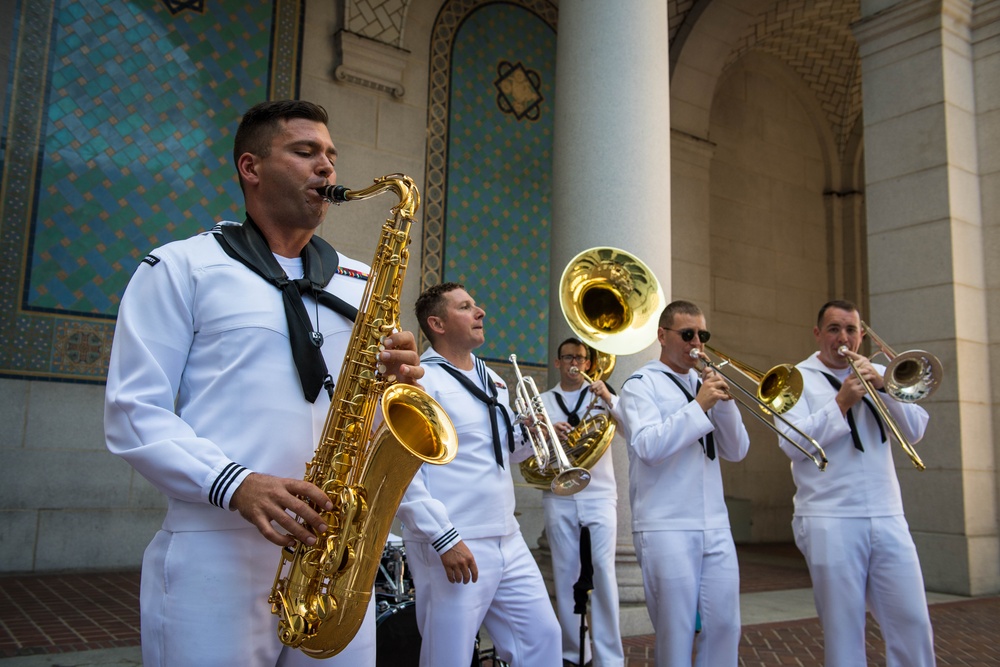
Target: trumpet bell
point(912, 376)
point(611, 300)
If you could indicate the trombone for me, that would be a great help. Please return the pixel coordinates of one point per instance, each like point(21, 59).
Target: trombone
point(909, 377)
point(545, 441)
point(882, 410)
point(777, 391)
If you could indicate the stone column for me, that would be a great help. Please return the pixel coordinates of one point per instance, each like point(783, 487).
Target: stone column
point(611, 181)
point(927, 272)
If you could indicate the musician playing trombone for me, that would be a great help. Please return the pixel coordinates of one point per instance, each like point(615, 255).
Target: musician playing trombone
point(679, 424)
point(849, 521)
point(595, 508)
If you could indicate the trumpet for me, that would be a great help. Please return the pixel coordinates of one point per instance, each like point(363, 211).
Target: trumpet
point(543, 437)
point(882, 410)
point(783, 390)
point(911, 376)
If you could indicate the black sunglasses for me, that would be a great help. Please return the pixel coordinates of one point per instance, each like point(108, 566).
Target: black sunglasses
point(687, 335)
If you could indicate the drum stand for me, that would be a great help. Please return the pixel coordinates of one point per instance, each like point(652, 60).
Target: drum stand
point(582, 588)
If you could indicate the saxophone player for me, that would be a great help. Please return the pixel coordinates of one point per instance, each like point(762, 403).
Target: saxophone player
point(471, 566)
point(218, 383)
point(594, 508)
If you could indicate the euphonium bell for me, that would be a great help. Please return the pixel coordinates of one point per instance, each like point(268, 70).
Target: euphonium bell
point(611, 300)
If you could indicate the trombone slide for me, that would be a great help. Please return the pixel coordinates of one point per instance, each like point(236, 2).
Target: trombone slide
point(883, 412)
point(819, 459)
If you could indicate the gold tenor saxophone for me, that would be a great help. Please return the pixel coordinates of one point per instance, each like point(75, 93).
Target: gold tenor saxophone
point(321, 592)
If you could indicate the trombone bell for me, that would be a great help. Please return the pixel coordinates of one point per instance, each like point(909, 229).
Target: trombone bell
point(912, 376)
point(909, 377)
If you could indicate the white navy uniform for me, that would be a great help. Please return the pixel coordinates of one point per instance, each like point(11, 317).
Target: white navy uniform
point(850, 527)
point(202, 391)
point(471, 499)
point(679, 519)
point(597, 508)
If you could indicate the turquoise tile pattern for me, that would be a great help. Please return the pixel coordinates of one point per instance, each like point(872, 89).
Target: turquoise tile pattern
point(119, 138)
point(499, 164)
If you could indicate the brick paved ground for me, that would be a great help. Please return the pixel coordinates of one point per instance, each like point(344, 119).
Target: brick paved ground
point(58, 613)
point(965, 633)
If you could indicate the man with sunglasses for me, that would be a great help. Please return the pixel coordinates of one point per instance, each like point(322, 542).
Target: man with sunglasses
point(594, 508)
point(679, 423)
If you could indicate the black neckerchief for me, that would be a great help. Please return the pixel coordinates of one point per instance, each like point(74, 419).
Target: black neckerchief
point(571, 417)
point(248, 246)
point(708, 442)
point(855, 436)
point(492, 404)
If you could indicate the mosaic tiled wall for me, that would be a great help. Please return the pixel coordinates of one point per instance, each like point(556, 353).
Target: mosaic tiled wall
point(488, 188)
point(118, 138)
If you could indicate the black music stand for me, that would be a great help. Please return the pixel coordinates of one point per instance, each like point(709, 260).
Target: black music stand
point(583, 586)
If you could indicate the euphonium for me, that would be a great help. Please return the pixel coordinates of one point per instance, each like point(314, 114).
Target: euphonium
point(321, 592)
point(612, 301)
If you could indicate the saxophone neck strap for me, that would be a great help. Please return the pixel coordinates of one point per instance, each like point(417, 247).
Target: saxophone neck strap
point(489, 399)
point(708, 442)
point(320, 261)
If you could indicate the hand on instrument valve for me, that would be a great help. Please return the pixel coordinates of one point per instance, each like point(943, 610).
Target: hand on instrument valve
point(562, 430)
point(263, 499)
point(599, 389)
point(400, 358)
point(460, 565)
point(713, 389)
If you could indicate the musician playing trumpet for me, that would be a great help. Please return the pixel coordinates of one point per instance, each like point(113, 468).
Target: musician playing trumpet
point(595, 507)
point(849, 521)
point(679, 424)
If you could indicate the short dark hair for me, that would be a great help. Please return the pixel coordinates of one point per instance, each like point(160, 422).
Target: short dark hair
point(261, 123)
point(839, 304)
point(674, 307)
point(430, 303)
point(571, 341)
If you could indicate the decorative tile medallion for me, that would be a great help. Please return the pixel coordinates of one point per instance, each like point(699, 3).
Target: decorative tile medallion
point(519, 90)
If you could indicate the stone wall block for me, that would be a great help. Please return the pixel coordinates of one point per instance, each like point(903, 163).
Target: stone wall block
point(95, 539)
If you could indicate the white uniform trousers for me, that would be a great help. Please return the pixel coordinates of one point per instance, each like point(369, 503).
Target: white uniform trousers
point(509, 600)
point(685, 572)
point(563, 519)
point(852, 561)
point(203, 601)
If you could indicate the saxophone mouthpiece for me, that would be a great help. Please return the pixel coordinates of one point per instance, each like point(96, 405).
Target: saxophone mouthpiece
point(335, 194)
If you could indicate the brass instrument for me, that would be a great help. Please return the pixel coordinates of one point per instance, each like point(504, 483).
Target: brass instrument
point(777, 391)
point(612, 302)
point(585, 444)
point(911, 376)
point(567, 479)
point(883, 411)
point(321, 592)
